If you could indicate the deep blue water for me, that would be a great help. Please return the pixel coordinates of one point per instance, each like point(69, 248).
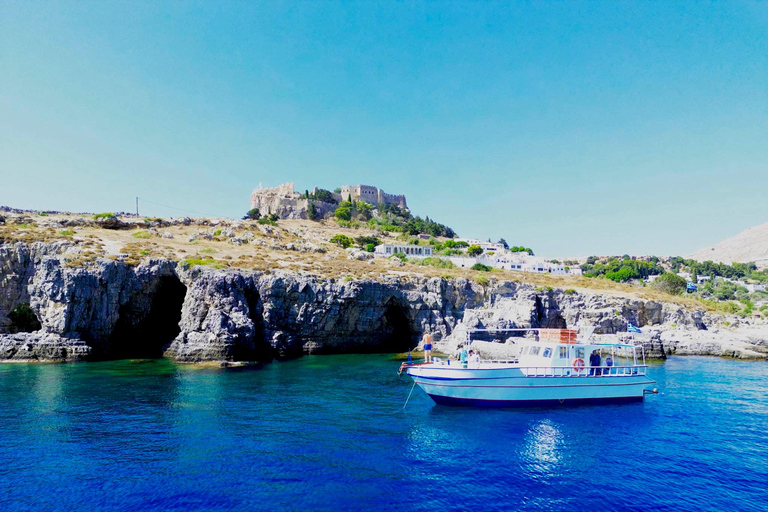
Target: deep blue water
point(329, 433)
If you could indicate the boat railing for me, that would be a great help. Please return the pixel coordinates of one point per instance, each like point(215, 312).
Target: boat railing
point(587, 371)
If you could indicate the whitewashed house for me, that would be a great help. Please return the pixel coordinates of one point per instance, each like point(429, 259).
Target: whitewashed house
point(411, 251)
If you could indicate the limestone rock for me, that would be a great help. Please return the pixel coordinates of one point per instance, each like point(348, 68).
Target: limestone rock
point(40, 346)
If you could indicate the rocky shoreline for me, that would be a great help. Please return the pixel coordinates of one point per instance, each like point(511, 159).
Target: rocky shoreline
point(111, 310)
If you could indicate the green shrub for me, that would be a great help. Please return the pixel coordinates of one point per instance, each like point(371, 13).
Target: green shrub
point(342, 241)
point(43, 214)
point(253, 214)
point(482, 280)
point(520, 248)
point(105, 215)
point(144, 253)
point(351, 224)
point(23, 319)
point(194, 262)
point(481, 267)
point(433, 262)
point(475, 250)
point(217, 232)
point(363, 241)
point(67, 232)
point(370, 247)
point(142, 234)
point(670, 283)
point(400, 256)
point(322, 195)
point(267, 220)
point(348, 278)
point(570, 291)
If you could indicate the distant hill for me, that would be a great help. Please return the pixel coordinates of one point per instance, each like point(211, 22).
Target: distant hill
point(749, 245)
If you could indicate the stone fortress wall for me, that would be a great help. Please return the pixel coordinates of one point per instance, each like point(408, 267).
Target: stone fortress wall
point(284, 201)
point(372, 195)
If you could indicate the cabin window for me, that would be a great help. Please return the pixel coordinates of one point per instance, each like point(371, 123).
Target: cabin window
point(525, 350)
point(580, 352)
point(563, 353)
point(535, 351)
point(547, 352)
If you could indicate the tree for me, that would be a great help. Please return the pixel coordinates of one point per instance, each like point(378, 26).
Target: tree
point(312, 211)
point(669, 283)
point(475, 250)
point(253, 214)
point(694, 276)
point(503, 242)
point(344, 211)
point(365, 210)
point(337, 190)
point(322, 195)
point(481, 267)
point(363, 241)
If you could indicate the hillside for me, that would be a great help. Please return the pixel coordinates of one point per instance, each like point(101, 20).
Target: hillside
point(749, 245)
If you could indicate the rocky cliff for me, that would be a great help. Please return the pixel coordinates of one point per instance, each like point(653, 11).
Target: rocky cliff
point(109, 309)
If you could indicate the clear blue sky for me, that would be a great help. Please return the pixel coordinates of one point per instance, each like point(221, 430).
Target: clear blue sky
point(573, 128)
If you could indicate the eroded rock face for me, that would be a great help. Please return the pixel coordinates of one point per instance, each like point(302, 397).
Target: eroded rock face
point(220, 320)
point(18, 264)
point(42, 346)
point(260, 316)
point(102, 303)
point(112, 310)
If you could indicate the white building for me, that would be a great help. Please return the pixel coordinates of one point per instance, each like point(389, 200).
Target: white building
point(487, 246)
point(521, 262)
point(411, 251)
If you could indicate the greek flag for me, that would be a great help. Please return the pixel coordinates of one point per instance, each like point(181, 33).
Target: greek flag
point(632, 328)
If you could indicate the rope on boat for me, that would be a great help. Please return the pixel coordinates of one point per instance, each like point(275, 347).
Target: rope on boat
point(409, 394)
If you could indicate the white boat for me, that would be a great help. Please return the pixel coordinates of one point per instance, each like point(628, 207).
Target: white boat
point(552, 369)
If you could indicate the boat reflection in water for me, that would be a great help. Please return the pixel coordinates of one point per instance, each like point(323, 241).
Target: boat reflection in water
point(556, 368)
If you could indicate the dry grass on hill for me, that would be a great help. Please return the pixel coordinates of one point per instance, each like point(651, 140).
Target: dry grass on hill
point(266, 250)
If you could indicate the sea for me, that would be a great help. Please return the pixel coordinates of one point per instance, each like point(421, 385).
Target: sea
point(332, 433)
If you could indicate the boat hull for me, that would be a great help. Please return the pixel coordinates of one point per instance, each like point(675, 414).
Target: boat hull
point(473, 402)
point(509, 387)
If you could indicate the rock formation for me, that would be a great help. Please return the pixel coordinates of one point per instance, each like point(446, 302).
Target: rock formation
point(112, 310)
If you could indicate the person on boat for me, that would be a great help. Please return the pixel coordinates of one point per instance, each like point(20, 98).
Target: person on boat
point(427, 341)
point(608, 363)
point(594, 362)
point(463, 355)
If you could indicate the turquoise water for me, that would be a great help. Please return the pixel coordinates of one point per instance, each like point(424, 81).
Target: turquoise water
point(330, 433)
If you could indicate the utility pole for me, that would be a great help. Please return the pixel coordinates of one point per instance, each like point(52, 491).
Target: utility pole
point(137, 206)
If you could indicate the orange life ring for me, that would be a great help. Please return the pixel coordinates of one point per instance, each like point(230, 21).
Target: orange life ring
point(578, 365)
